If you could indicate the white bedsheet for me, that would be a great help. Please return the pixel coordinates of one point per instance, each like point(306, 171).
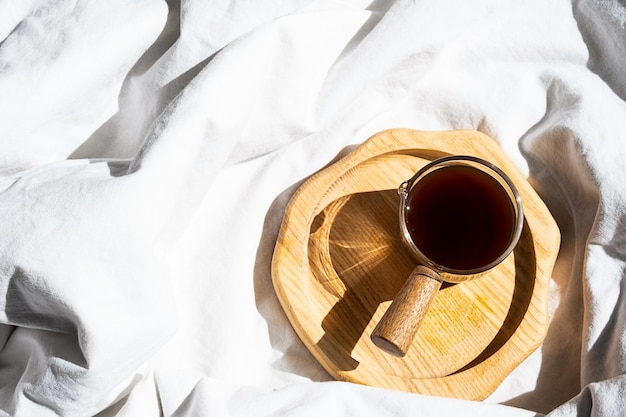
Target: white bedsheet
point(148, 149)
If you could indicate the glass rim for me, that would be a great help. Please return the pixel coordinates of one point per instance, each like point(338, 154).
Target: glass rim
point(462, 160)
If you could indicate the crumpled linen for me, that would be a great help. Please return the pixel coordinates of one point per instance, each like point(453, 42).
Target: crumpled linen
point(148, 150)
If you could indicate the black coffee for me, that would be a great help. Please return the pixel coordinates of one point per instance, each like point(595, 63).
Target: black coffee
point(460, 217)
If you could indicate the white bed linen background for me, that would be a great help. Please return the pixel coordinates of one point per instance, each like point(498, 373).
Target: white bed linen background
point(148, 149)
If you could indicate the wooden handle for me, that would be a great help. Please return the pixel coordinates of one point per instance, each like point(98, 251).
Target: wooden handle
point(395, 331)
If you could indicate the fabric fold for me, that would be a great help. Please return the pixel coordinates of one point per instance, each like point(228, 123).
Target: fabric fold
point(148, 149)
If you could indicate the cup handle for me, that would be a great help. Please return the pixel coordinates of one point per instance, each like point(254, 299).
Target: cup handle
point(396, 330)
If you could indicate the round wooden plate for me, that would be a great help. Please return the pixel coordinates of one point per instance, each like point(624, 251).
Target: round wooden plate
point(339, 261)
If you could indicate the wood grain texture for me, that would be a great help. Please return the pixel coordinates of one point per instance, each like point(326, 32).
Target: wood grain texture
point(340, 260)
point(396, 330)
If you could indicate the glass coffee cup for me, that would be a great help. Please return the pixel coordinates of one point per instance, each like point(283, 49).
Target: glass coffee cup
point(460, 216)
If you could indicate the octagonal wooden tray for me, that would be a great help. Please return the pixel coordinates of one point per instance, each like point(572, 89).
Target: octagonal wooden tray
point(339, 261)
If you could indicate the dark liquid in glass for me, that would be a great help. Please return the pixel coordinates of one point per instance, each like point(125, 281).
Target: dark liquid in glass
point(460, 217)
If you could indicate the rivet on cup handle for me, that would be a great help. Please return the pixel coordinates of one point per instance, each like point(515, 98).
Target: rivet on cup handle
point(396, 330)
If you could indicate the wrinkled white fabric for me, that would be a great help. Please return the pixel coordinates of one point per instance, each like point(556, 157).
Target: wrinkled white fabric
point(148, 149)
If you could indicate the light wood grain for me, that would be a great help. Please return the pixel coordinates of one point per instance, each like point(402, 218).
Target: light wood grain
point(395, 331)
point(340, 260)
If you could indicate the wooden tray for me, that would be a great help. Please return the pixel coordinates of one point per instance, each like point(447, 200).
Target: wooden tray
point(339, 261)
